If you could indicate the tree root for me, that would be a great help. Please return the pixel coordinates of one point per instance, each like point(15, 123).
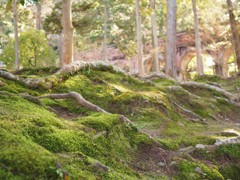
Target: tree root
point(191, 113)
point(180, 88)
point(59, 76)
point(228, 141)
point(157, 75)
point(83, 102)
point(221, 91)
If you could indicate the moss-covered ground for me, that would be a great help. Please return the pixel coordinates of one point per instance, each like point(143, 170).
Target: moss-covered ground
point(61, 137)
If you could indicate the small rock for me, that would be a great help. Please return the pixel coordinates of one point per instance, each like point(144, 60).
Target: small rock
point(198, 170)
point(187, 149)
point(173, 163)
point(180, 124)
point(162, 164)
point(200, 146)
point(100, 167)
point(102, 133)
point(1, 83)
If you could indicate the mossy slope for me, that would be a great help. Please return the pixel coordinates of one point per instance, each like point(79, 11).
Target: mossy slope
point(40, 144)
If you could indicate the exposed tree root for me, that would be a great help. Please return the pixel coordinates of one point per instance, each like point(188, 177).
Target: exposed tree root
point(180, 88)
point(157, 75)
point(234, 103)
point(210, 87)
point(83, 102)
point(215, 84)
point(191, 113)
point(31, 99)
point(59, 76)
point(210, 148)
point(228, 141)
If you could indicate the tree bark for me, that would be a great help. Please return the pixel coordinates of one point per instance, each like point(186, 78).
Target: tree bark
point(221, 91)
point(139, 40)
point(60, 49)
point(38, 14)
point(171, 38)
point(197, 40)
point(105, 32)
point(67, 32)
point(154, 35)
point(15, 17)
point(234, 29)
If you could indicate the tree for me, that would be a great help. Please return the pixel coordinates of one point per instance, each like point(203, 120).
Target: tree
point(34, 51)
point(171, 38)
point(38, 14)
point(139, 40)
point(67, 32)
point(105, 31)
point(15, 21)
point(154, 35)
point(197, 40)
point(235, 35)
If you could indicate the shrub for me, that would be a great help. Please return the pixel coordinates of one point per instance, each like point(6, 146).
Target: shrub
point(34, 51)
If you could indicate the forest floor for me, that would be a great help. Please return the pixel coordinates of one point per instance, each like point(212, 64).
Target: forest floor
point(58, 138)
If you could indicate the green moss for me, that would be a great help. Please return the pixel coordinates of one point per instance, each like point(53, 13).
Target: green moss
point(41, 72)
point(231, 151)
point(231, 171)
point(100, 121)
point(187, 171)
point(206, 78)
point(25, 158)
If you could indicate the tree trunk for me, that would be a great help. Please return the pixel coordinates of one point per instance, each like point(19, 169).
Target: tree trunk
point(38, 14)
point(235, 36)
point(15, 17)
point(67, 32)
point(171, 38)
point(105, 32)
point(154, 35)
point(139, 40)
point(197, 40)
point(60, 49)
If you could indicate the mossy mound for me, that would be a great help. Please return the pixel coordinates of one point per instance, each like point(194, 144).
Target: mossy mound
point(64, 137)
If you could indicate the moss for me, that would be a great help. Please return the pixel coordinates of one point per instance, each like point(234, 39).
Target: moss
point(16, 88)
point(25, 158)
point(231, 151)
point(206, 78)
point(231, 171)
point(187, 171)
point(100, 121)
point(41, 72)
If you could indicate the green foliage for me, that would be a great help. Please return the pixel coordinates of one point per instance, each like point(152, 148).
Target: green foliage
point(231, 171)
point(34, 51)
point(187, 171)
point(231, 151)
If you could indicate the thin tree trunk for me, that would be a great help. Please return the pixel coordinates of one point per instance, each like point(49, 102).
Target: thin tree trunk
point(139, 40)
point(197, 40)
point(105, 32)
point(67, 32)
point(235, 36)
point(154, 35)
point(60, 49)
point(15, 17)
point(38, 14)
point(171, 39)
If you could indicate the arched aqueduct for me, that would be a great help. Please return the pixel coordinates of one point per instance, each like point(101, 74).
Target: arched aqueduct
point(186, 51)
